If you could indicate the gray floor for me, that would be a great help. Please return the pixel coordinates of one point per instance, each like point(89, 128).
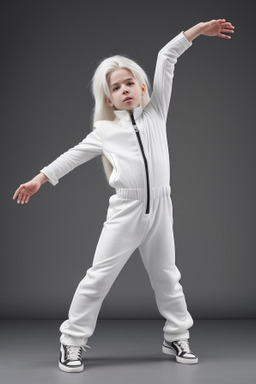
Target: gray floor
point(125, 351)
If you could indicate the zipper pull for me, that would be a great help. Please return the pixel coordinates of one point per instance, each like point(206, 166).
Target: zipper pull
point(134, 123)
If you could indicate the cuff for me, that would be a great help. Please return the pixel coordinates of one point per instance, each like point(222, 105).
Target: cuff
point(185, 41)
point(52, 178)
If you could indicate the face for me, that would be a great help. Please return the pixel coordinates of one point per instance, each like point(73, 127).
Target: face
point(123, 85)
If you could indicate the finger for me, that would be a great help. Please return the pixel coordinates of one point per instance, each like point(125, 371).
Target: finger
point(27, 199)
point(222, 24)
point(227, 30)
point(228, 25)
point(23, 199)
point(224, 36)
point(16, 193)
point(223, 21)
point(20, 196)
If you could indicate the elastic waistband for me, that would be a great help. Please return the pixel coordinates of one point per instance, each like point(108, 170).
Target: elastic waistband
point(141, 193)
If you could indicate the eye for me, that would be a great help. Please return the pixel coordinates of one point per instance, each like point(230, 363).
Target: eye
point(129, 83)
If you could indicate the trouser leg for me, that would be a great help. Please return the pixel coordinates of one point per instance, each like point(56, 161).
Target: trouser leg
point(158, 255)
point(120, 236)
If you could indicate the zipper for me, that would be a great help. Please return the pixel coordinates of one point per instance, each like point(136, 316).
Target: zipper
point(144, 158)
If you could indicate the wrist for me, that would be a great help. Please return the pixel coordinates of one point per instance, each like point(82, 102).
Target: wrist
point(201, 27)
point(198, 29)
point(194, 31)
point(41, 178)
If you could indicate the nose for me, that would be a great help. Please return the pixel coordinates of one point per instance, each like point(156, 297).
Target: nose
point(125, 90)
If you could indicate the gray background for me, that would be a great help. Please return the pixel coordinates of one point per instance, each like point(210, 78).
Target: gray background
point(49, 52)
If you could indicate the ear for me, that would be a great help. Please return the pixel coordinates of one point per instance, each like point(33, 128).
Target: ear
point(108, 102)
point(143, 89)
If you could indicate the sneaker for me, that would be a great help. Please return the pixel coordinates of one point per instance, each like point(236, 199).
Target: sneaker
point(70, 359)
point(180, 349)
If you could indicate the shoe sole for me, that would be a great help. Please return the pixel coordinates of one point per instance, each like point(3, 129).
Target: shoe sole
point(69, 369)
point(179, 359)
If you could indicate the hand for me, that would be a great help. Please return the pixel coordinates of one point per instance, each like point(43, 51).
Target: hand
point(26, 190)
point(215, 27)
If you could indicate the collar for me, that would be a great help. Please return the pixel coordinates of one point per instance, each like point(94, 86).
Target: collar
point(124, 115)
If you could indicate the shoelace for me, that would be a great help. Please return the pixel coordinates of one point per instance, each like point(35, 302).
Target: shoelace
point(184, 345)
point(74, 352)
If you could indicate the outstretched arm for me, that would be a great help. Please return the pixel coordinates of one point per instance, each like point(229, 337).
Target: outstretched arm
point(86, 150)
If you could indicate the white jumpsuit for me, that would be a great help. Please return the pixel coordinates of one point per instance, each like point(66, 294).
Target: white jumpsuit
point(140, 213)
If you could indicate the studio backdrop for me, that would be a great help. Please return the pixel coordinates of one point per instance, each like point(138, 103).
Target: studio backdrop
point(50, 50)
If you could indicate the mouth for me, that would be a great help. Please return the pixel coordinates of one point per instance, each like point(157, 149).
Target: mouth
point(127, 99)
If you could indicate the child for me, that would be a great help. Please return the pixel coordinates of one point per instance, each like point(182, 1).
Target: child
point(129, 132)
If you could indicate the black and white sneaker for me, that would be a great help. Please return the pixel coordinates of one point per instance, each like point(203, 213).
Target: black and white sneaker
point(180, 349)
point(70, 358)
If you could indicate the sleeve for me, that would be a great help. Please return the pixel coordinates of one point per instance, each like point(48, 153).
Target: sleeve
point(86, 150)
point(164, 72)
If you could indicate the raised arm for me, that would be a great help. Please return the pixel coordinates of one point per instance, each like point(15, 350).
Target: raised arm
point(164, 73)
point(168, 55)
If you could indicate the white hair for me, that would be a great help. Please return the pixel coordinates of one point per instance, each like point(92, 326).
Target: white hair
point(100, 90)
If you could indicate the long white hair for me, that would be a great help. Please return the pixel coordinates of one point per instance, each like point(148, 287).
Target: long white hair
point(100, 90)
